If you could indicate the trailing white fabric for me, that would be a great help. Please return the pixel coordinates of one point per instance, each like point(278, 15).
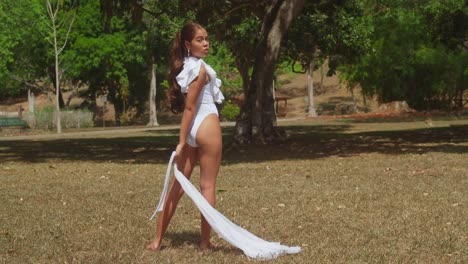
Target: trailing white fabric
point(251, 245)
point(160, 206)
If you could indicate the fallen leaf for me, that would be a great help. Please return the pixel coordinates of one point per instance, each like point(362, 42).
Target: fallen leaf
point(220, 191)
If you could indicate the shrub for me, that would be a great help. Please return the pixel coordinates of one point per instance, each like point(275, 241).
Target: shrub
point(230, 111)
point(76, 119)
point(45, 118)
point(129, 117)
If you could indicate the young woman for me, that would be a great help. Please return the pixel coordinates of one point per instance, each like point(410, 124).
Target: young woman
point(194, 89)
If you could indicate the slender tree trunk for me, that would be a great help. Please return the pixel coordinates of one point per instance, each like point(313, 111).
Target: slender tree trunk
point(57, 80)
point(364, 100)
point(321, 77)
point(310, 90)
point(153, 119)
point(31, 101)
point(54, 26)
point(256, 121)
point(355, 107)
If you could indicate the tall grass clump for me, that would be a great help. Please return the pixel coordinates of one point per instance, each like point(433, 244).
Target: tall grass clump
point(45, 118)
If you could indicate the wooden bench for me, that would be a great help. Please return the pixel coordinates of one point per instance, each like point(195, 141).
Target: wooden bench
point(239, 100)
point(12, 123)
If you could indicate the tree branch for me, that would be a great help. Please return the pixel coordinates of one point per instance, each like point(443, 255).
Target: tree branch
point(19, 79)
point(155, 15)
point(254, 5)
point(66, 37)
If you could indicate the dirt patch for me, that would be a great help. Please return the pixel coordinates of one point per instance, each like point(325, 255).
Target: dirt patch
point(330, 96)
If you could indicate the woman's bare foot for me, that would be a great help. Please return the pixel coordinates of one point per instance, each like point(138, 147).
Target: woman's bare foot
point(154, 246)
point(207, 246)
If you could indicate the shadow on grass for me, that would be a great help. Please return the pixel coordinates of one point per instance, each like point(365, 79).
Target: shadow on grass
point(306, 142)
point(406, 118)
point(179, 239)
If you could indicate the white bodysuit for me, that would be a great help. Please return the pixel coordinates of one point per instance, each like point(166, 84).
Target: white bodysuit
point(209, 94)
point(253, 246)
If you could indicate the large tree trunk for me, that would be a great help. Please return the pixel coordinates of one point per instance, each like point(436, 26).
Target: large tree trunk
point(243, 68)
point(153, 120)
point(257, 119)
point(116, 99)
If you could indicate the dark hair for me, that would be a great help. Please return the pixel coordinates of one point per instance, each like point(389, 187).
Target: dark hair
point(179, 51)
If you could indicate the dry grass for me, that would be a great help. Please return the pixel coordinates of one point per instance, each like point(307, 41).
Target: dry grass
point(384, 191)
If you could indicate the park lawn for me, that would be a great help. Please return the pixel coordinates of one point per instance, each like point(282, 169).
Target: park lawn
point(346, 191)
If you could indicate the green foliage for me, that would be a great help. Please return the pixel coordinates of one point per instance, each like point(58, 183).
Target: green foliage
point(239, 32)
point(447, 21)
point(159, 32)
point(396, 49)
point(109, 59)
point(411, 57)
point(223, 62)
point(19, 38)
point(230, 111)
point(338, 31)
point(439, 73)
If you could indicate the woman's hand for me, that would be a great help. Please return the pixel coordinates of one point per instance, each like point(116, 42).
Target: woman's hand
point(178, 151)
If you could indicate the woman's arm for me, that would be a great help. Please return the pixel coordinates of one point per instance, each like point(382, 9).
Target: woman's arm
point(190, 107)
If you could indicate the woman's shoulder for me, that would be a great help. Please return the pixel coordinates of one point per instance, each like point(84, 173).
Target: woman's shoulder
point(190, 62)
point(191, 69)
point(209, 70)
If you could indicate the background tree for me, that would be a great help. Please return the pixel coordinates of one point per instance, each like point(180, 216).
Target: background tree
point(20, 47)
point(416, 54)
point(157, 22)
point(161, 20)
point(104, 56)
point(395, 50)
point(237, 24)
point(333, 31)
point(257, 118)
point(318, 32)
point(57, 36)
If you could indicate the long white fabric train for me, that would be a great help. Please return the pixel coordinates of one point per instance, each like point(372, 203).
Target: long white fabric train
point(251, 245)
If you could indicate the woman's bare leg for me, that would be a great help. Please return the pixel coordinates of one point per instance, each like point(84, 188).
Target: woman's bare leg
point(210, 141)
point(187, 163)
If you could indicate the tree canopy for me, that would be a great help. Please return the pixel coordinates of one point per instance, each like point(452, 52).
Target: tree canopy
point(394, 50)
point(417, 54)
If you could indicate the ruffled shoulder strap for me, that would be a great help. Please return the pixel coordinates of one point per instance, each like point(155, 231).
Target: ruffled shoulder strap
point(190, 71)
